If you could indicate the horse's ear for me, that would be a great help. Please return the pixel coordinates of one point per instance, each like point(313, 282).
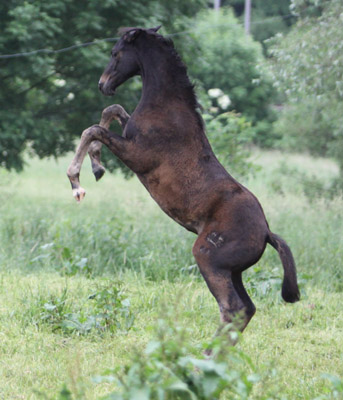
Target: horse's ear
point(155, 29)
point(131, 35)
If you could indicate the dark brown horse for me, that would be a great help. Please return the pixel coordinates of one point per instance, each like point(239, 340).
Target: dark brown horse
point(165, 144)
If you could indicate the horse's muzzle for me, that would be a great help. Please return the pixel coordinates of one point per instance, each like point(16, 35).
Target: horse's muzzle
point(105, 88)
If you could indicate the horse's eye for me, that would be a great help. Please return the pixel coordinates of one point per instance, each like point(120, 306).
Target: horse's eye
point(114, 54)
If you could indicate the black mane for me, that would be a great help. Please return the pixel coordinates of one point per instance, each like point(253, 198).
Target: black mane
point(179, 69)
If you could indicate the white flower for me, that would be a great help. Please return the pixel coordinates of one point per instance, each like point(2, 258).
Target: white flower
point(224, 101)
point(71, 96)
point(60, 82)
point(214, 93)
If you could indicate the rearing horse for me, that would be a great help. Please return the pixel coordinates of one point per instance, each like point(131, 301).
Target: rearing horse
point(165, 144)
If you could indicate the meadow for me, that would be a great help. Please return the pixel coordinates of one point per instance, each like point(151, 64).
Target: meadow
point(84, 288)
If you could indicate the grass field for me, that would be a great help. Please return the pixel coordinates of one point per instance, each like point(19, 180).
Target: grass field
point(83, 286)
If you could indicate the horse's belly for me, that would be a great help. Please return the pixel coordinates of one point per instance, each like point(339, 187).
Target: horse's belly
point(175, 199)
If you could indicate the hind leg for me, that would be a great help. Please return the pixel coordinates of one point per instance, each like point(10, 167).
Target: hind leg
point(250, 308)
point(223, 279)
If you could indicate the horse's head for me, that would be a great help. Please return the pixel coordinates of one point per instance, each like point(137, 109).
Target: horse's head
point(124, 61)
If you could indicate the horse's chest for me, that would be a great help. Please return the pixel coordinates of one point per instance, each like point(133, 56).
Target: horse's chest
point(130, 130)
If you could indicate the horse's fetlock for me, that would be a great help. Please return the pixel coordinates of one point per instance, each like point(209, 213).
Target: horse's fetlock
point(72, 172)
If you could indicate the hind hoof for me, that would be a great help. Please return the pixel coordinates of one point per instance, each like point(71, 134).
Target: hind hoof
point(79, 194)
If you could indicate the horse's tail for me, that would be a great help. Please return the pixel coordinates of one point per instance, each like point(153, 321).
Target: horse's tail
point(290, 291)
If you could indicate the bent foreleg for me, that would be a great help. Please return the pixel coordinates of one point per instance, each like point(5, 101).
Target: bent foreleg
point(117, 144)
point(114, 112)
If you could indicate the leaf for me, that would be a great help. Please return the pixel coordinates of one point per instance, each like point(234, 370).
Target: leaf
point(139, 394)
point(66, 253)
point(208, 366)
point(152, 346)
point(40, 257)
point(47, 246)
point(50, 307)
point(179, 386)
point(82, 263)
point(336, 382)
point(211, 384)
point(126, 302)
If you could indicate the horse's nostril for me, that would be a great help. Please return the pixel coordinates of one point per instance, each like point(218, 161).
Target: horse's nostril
point(100, 85)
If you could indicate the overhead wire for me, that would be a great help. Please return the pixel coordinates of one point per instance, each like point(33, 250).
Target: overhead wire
point(114, 39)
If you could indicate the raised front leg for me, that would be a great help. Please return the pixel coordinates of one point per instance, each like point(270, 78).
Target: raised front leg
point(114, 112)
point(117, 144)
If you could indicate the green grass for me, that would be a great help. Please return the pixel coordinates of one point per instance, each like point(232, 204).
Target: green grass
point(56, 252)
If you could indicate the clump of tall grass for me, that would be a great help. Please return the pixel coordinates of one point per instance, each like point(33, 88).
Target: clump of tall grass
point(106, 309)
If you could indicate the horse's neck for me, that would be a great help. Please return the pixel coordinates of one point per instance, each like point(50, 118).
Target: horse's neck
point(160, 82)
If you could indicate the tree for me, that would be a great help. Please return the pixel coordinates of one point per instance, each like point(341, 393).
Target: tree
point(274, 14)
point(225, 57)
point(47, 99)
point(307, 67)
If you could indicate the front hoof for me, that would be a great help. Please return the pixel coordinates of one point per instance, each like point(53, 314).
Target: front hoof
point(99, 172)
point(79, 194)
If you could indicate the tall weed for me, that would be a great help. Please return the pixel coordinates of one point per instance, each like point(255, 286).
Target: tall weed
point(107, 309)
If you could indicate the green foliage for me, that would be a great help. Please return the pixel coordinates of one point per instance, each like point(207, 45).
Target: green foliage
point(64, 258)
point(308, 8)
point(310, 185)
point(268, 17)
point(48, 99)
point(105, 310)
point(230, 134)
point(335, 389)
point(314, 125)
point(307, 67)
point(226, 58)
point(112, 308)
point(167, 370)
point(308, 60)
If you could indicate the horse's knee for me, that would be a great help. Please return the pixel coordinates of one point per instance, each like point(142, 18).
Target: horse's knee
point(91, 133)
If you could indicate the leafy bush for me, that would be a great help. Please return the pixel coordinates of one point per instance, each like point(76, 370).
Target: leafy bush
point(335, 389)
point(107, 309)
point(306, 65)
point(224, 57)
point(67, 261)
point(313, 125)
point(168, 370)
point(292, 179)
point(273, 14)
point(230, 134)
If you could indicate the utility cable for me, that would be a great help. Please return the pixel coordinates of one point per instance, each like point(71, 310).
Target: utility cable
point(114, 39)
